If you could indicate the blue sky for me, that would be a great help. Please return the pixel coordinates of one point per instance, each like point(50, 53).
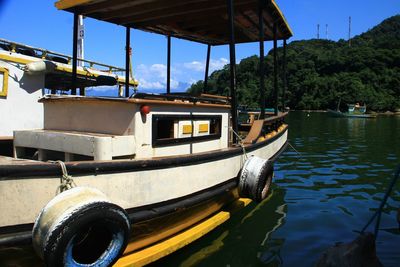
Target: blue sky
point(39, 23)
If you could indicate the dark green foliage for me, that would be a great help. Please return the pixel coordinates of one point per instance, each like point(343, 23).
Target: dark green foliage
point(321, 71)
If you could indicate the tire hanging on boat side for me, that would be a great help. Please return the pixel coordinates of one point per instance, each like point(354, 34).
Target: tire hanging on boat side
point(256, 178)
point(80, 227)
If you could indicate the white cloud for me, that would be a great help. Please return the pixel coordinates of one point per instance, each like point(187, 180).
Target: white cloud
point(155, 76)
point(160, 70)
point(150, 85)
point(151, 77)
point(192, 81)
point(195, 65)
point(174, 84)
point(215, 64)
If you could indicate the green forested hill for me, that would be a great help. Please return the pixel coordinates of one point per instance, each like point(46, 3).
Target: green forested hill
point(321, 71)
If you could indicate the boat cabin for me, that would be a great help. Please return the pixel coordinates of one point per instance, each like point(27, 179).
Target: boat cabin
point(356, 108)
point(146, 125)
point(143, 126)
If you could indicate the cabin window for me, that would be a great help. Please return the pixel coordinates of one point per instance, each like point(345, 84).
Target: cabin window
point(3, 81)
point(176, 129)
point(165, 129)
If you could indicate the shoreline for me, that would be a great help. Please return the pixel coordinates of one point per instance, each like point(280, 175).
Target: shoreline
point(385, 113)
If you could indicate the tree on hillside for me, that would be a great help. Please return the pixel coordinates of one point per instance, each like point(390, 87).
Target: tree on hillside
point(321, 71)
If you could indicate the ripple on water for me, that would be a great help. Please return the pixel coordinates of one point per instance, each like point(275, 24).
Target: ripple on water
point(391, 157)
point(328, 192)
point(346, 176)
point(325, 171)
point(297, 172)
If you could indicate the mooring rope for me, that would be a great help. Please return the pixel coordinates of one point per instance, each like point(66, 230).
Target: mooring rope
point(294, 149)
point(378, 213)
point(241, 144)
point(66, 181)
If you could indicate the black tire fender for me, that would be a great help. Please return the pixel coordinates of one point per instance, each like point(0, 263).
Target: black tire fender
point(256, 178)
point(80, 227)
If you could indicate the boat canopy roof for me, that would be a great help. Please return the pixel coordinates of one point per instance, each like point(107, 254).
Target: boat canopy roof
point(204, 21)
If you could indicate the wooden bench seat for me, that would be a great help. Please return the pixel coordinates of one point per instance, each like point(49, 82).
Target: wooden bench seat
point(98, 146)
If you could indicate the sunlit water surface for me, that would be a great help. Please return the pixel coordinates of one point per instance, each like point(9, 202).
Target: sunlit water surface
point(319, 198)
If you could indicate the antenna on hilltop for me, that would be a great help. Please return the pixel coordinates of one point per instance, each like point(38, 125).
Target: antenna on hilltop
point(326, 31)
point(349, 31)
point(318, 31)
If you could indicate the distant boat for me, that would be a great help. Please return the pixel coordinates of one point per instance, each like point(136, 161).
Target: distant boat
point(353, 111)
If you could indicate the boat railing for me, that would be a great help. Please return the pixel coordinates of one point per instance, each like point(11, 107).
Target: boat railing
point(50, 55)
point(181, 97)
point(269, 124)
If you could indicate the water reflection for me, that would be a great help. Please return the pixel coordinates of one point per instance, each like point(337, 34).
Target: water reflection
point(249, 237)
point(343, 172)
point(321, 197)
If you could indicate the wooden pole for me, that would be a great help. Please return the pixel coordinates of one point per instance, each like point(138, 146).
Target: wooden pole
point(74, 54)
point(127, 60)
point(262, 83)
point(169, 65)
point(275, 69)
point(207, 68)
point(284, 75)
point(232, 65)
point(80, 51)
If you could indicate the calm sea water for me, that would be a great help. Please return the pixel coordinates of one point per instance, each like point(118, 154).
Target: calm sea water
point(319, 198)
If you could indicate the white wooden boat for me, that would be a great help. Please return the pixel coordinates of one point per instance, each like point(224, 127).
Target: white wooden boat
point(106, 177)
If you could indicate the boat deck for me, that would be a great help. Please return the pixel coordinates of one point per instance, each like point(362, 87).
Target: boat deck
point(254, 136)
point(4, 160)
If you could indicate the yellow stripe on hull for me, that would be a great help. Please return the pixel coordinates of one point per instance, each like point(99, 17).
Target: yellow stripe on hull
point(164, 248)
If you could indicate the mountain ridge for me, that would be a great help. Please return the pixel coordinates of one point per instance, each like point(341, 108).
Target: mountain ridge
point(322, 71)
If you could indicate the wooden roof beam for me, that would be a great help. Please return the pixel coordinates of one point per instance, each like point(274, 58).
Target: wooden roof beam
point(149, 9)
point(107, 5)
point(243, 30)
point(191, 36)
point(179, 15)
point(213, 38)
point(267, 27)
point(218, 31)
point(201, 22)
point(209, 35)
point(196, 20)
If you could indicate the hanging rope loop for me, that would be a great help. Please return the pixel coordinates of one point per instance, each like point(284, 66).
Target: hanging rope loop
point(66, 181)
point(241, 144)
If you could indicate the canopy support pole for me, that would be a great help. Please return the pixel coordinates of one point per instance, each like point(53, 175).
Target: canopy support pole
point(74, 54)
point(232, 65)
point(284, 74)
point(169, 65)
point(262, 83)
point(275, 70)
point(127, 60)
point(207, 68)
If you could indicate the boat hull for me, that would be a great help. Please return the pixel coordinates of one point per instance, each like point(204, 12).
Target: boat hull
point(147, 189)
point(339, 114)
